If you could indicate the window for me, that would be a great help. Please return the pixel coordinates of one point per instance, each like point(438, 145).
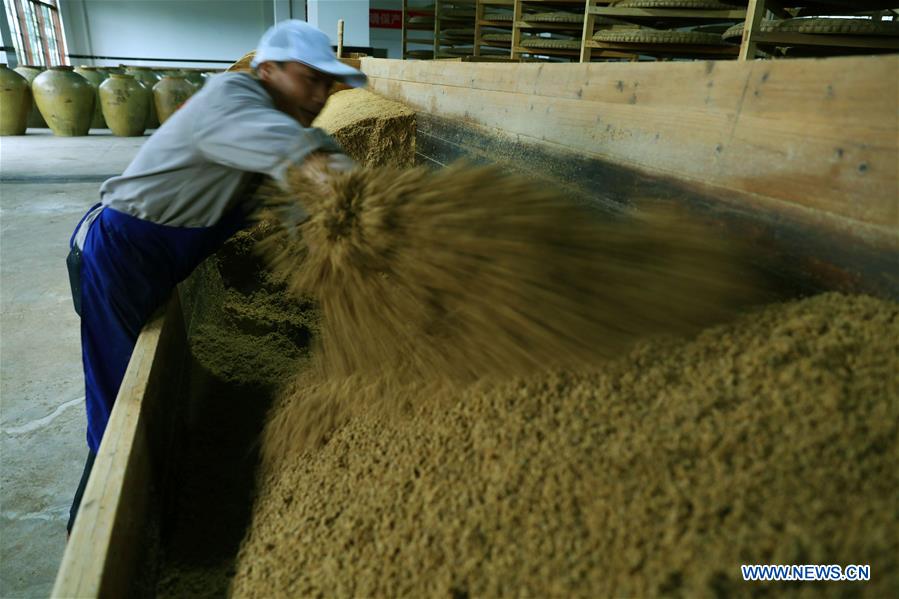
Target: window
point(37, 32)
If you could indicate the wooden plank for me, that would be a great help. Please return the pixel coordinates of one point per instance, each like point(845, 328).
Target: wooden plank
point(478, 17)
point(548, 26)
point(587, 32)
point(669, 13)
point(815, 39)
point(437, 17)
point(548, 51)
point(813, 136)
point(796, 259)
point(754, 14)
point(516, 30)
point(677, 50)
point(102, 554)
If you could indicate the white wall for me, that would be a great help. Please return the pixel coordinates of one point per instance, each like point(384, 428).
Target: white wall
point(391, 39)
point(324, 14)
point(188, 30)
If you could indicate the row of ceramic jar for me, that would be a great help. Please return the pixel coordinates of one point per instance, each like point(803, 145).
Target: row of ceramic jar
point(71, 101)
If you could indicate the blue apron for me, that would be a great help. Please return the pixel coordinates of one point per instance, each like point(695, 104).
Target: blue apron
point(128, 269)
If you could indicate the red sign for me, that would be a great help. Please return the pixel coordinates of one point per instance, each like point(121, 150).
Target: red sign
point(381, 18)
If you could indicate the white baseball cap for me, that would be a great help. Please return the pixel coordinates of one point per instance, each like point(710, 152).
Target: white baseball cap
point(298, 41)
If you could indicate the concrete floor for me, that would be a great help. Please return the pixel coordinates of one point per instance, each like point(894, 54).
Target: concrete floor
point(46, 184)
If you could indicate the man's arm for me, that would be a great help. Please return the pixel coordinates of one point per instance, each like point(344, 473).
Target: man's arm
point(243, 130)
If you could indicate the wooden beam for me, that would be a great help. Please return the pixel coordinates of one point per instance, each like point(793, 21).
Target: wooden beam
point(516, 30)
point(103, 551)
point(587, 32)
point(436, 42)
point(817, 137)
point(667, 13)
point(755, 12)
point(675, 50)
point(815, 39)
point(478, 15)
point(548, 26)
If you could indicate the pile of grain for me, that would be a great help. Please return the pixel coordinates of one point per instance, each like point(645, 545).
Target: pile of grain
point(465, 428)
point(769, 440)
point(243, 63)
point(373, 130)
point(250, 331)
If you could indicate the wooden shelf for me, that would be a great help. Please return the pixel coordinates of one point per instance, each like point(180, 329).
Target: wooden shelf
point(597, 9)
point(549, 26)
point(520, 23)
point(440, 22)
point(753, 36)
point(481, 22)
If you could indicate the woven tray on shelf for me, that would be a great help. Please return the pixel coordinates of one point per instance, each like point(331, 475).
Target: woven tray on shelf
point(841, 4)
point(420, 53)
point(497, 37)
point(821, 26)
point(554, 17)
point(457, 13)
point(458, 32)
point(654, 36)
point(697, 4)
point(551, 44)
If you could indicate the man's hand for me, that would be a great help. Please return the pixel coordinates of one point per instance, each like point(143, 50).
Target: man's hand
point(340, 162)
point(317, 168)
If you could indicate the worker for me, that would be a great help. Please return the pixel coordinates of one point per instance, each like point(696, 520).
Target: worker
point(188, 189)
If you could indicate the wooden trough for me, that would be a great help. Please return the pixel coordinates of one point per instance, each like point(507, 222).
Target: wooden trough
point(800, 158)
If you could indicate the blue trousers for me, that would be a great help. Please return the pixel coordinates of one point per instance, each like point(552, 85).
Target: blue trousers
point(128, 268)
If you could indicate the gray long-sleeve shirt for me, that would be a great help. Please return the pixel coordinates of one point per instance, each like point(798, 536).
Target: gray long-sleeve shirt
point(192, 170)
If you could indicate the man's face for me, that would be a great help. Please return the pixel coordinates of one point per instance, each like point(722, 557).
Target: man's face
point(296, 89)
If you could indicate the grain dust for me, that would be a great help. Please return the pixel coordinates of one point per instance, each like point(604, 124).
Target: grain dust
point(464, 273)
point(771, 439)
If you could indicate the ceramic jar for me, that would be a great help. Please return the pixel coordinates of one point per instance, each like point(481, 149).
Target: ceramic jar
point(124, 101)
point(65, 99)
point(15, 102)
point(29, 72)
point(148, 78)
point(195, 77)
point(169, 94)
point(96, 77)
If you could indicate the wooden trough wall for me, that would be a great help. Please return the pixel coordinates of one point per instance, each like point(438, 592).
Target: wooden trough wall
point(801, 157)
point(798, 157)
